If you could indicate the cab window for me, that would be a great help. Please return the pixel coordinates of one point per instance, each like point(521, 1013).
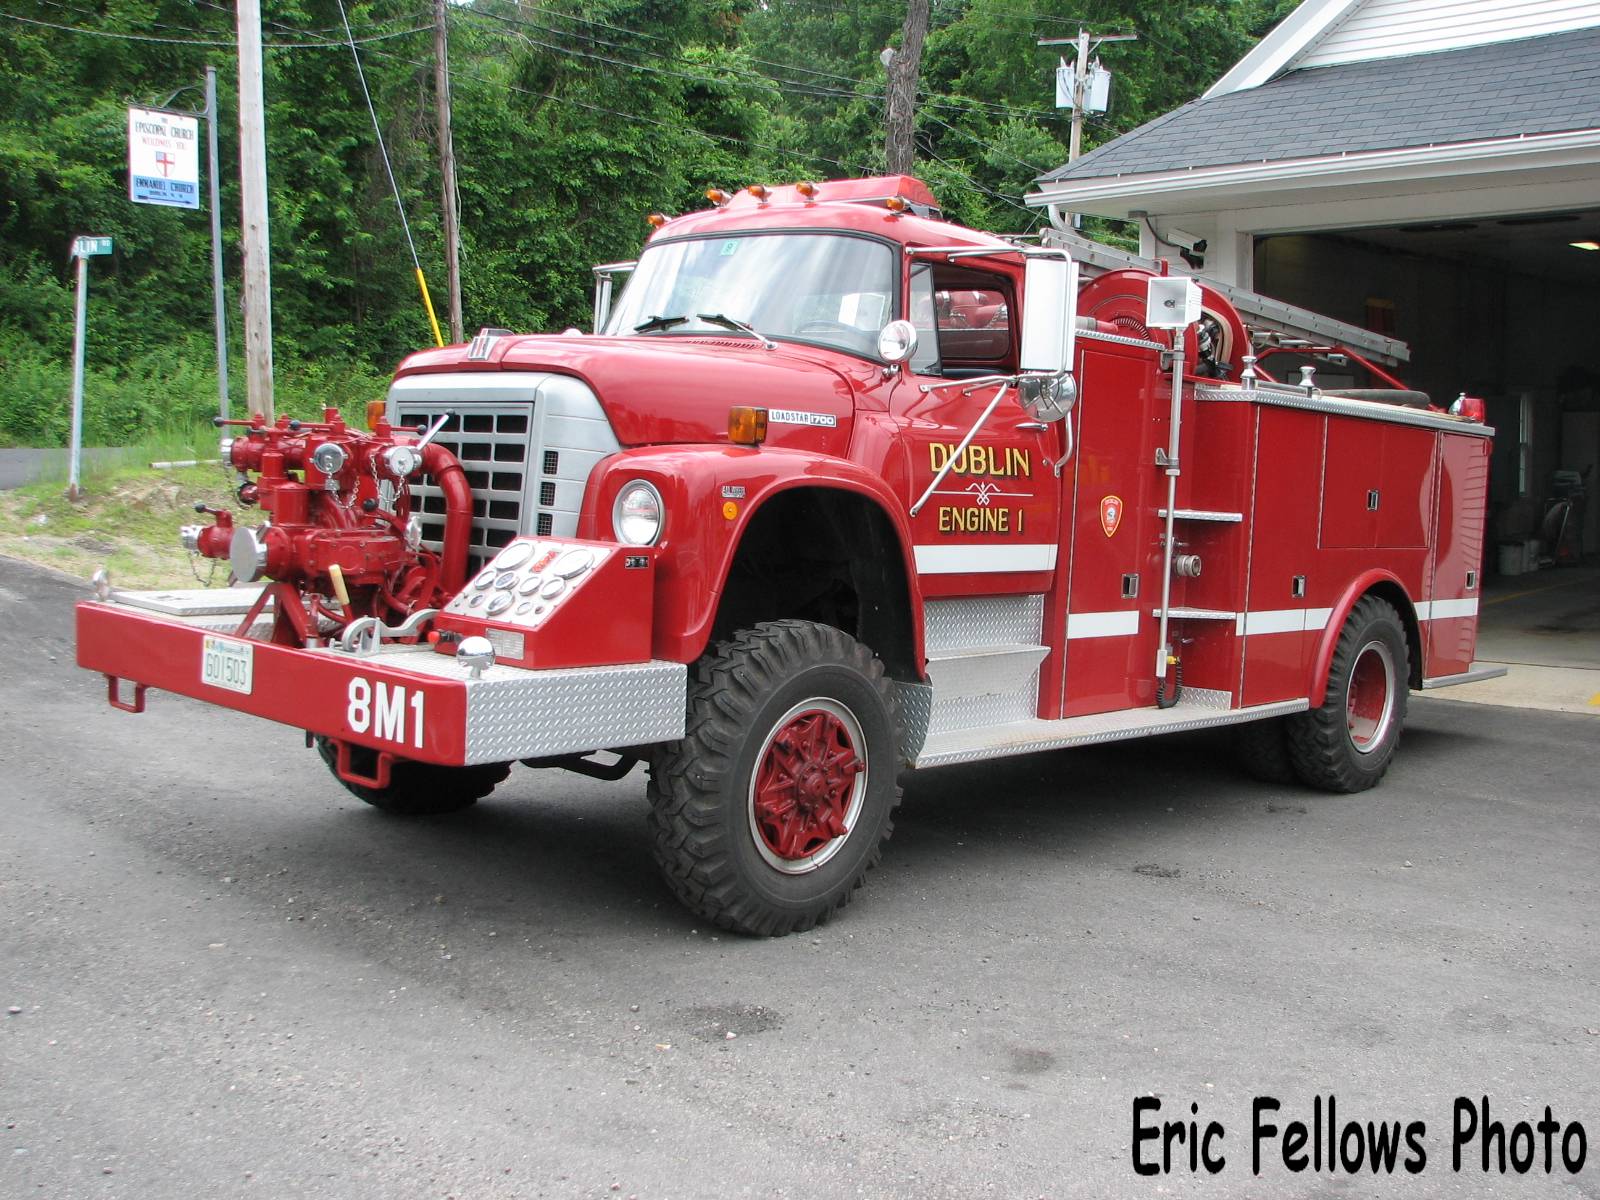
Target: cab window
point(972, 316)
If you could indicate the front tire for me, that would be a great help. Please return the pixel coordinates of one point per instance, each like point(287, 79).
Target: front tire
point(1346, 745)
point(416, 789)
point(769, 812)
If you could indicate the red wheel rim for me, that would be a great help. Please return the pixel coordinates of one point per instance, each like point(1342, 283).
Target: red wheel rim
point(1369, 703)
point(808, 785)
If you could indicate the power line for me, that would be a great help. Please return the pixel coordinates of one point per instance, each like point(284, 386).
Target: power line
point(927, 98)
point(167, 41)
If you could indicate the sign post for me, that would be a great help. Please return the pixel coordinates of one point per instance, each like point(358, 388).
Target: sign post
point(83, 249)
point(219, 309)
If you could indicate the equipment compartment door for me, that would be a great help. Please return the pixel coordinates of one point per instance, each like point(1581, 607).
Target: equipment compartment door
point(1114, 580)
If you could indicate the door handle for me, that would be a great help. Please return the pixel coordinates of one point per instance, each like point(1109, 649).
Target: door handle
point(1036, 426)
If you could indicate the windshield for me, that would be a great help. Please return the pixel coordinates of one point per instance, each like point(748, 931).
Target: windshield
point(824, 288)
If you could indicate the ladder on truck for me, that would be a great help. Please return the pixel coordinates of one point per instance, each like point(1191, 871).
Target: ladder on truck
point(1269, 321)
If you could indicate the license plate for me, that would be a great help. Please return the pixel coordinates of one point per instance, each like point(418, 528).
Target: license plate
point(225, 663)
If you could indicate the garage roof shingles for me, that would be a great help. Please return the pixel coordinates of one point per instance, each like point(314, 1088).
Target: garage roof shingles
point(1537, 85)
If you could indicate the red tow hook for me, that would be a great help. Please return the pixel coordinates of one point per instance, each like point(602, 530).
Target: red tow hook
point(114, 695)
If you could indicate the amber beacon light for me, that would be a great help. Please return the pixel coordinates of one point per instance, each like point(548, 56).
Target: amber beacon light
point(747, 426)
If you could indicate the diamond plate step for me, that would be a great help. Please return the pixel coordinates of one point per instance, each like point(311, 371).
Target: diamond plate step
point(1026, 737)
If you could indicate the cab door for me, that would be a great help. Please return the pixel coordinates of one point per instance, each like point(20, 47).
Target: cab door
point(989, 526)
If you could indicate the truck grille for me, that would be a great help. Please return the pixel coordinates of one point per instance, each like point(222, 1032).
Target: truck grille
point(526, 441)
point(491, 440)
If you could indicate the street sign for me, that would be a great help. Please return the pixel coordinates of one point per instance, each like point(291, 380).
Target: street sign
point(88, 247)
point(163, 158)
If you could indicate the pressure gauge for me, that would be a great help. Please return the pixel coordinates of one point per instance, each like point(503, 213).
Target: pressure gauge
point(513, 556)
point(574, 563)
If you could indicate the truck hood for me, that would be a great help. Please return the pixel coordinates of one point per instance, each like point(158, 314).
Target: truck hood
point(677, 389)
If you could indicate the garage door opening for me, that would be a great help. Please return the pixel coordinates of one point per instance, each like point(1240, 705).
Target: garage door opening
point(1503, 307)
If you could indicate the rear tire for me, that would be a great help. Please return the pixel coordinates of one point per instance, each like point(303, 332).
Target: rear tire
point(416, 789)
point(769, 812)
point(1346, 745)
point(1263, 751)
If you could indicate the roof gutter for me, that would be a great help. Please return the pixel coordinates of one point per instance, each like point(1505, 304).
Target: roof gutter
point(1455, 159)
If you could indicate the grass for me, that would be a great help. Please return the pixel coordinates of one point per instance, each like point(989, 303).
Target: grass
point(127, 518)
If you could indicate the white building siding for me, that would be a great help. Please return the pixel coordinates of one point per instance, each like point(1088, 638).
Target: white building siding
point(1395, 28)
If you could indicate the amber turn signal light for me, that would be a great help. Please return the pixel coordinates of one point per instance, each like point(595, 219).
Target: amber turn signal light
point(375, 412)
point(895, 204)
point(758, 191)
point(747, 426)
point(807, 189)
point(657, 220)
point(717, 196)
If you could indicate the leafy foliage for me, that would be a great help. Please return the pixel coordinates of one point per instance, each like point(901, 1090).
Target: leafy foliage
point(573, 119)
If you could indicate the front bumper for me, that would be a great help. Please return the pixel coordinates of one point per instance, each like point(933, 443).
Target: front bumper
point(406, 700)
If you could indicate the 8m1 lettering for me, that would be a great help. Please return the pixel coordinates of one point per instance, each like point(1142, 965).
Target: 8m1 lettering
point(382, 708)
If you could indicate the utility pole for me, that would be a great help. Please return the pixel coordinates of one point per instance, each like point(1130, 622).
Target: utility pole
point(219, 306)
point(253, 178)
point(904, 66)
point(447, 166)
point(1080, 75)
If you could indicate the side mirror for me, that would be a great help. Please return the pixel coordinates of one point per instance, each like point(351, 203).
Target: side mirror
point(1049, 314)
point(1046, 388)
point(897, 342)
point(1047, 397)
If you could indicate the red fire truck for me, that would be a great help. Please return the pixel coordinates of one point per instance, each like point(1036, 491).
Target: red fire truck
point(836, 489)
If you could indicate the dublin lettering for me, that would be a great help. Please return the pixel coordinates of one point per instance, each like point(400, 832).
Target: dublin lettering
point(995, 462)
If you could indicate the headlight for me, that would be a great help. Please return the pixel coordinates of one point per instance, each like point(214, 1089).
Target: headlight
point(636, 516)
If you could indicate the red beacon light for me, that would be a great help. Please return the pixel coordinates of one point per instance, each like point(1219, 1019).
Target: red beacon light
point(1471, 408)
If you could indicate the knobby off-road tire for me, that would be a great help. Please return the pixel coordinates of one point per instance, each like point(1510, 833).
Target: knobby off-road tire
point(769, 812)
point(1346, 745)
point(416, 789)
point(1262, 748)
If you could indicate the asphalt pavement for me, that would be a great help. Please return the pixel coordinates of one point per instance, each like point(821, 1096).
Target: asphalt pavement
point(229, 978)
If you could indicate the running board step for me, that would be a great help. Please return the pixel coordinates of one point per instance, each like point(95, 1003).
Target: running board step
point(982, 670)
point(1477, 671)
point(1027, 737)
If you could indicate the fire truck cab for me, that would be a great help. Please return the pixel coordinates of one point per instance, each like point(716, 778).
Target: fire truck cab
point(836, 489)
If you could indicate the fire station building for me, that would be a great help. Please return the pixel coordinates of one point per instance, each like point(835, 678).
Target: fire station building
point(1428, 169)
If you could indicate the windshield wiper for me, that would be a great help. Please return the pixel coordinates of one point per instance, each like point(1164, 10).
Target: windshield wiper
point(738, 327)
point(656, 324)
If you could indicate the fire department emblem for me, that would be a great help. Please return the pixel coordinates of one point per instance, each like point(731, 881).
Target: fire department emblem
point(1110, 513)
